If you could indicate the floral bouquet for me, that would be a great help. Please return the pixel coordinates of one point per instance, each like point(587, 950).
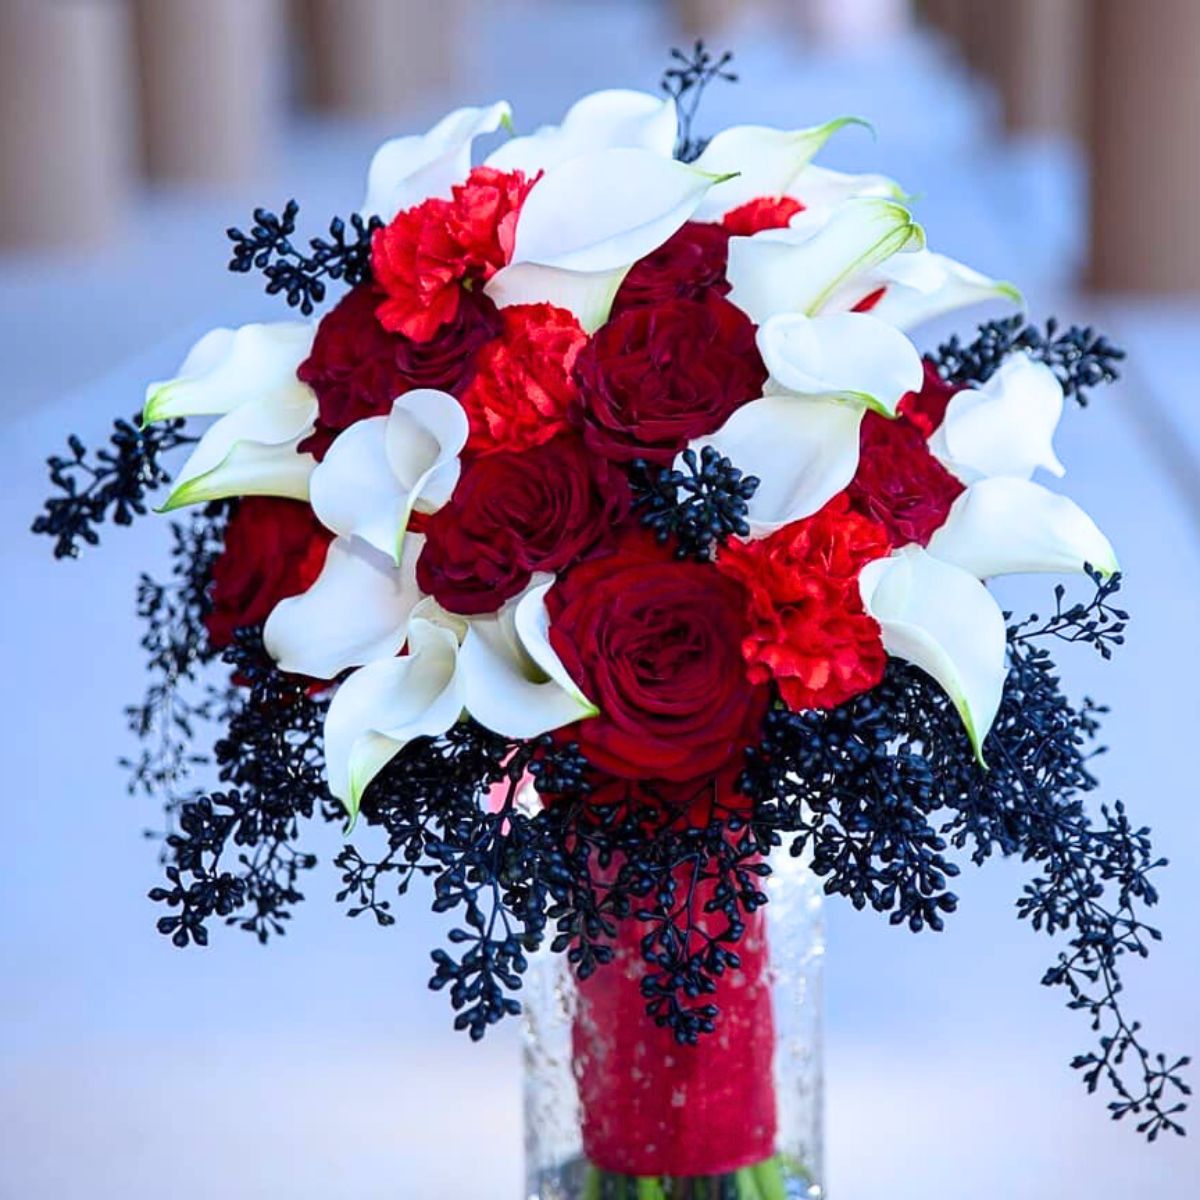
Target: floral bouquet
point(606, 539)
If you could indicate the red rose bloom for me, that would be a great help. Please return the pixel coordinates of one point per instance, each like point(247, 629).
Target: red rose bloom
point(899, 483)
point(514, 513)
point(687, 266)
point(357, 368)
point(422, 258)
point(926, 409)
point(524, 384)
point(655, 377)
point(765, 212)
point(808, 629)
point(273, 549)
point(655, 644)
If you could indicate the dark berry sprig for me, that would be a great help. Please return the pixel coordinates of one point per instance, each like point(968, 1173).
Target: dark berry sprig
point(686, 81)
point(1081, 358)
point(301, 277)
point(700, 506)
point(109, 485)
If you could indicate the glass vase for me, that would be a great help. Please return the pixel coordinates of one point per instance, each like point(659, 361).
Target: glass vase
point(615, 1109)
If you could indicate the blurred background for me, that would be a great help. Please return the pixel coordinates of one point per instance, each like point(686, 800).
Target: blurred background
point(1052, 142)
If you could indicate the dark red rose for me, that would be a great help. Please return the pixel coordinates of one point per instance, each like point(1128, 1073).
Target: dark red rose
point(926, 409)
point(655, 377)
point(514, 513)
point(765, 212)
point(357, 368)
point(273, 549)
point(656, 645)
point(899, 483)
point(687, 266)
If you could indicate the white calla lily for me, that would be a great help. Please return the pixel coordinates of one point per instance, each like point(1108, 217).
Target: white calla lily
point(356, 611)
point(921, 286)
point(848, 356)
point(602, 120)
point(800, 268)
point(513, 681)
point(803, 451)
point(407, 170)
point(584, 224)
point(385, 705)
point(1005, 426)
point(763, 161)
point(820, 188)
point(230, 367)
point(252, 451)
point(382, 468)
point(943, 620)
point(1003, 526)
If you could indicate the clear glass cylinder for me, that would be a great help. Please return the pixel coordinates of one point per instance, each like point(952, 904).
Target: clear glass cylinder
point(614, 1110)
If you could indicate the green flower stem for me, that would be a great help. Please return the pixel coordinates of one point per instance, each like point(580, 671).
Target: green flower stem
point(764, 1181)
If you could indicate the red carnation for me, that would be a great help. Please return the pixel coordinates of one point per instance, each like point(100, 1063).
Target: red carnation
point(514, 513)
point(357, 368)
point(765, 212)
point(656, 645)
point(423, 257)
point(655, 377)
point(523, 384)
point(273, 549)
point(899, 483)
point(808, 629)
point(687, 266)
point(926, 409)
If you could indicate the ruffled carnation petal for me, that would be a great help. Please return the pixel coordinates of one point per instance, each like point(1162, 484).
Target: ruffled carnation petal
point(809, 632)
point(524, 383)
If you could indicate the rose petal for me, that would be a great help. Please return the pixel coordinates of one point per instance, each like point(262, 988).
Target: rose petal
point(1002, 526)
point(943, 620)
point(356, 611)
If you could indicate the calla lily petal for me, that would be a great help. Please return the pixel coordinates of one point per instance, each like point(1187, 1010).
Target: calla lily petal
point(610, 118)
point(385, 705)
point(504, 686)
point(943, 620)
point(252, 451)
point(921, 286)
point(820, 188)
point(1005, 426)
point(589, 295)
point(803, 451)
point(355, 612)
point(798, 269)
point(1003, 526)
point(407, 170)
point(227, 368)
point(765, 161)
point(584, 225)
point(379, 468)
point(850, 356)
